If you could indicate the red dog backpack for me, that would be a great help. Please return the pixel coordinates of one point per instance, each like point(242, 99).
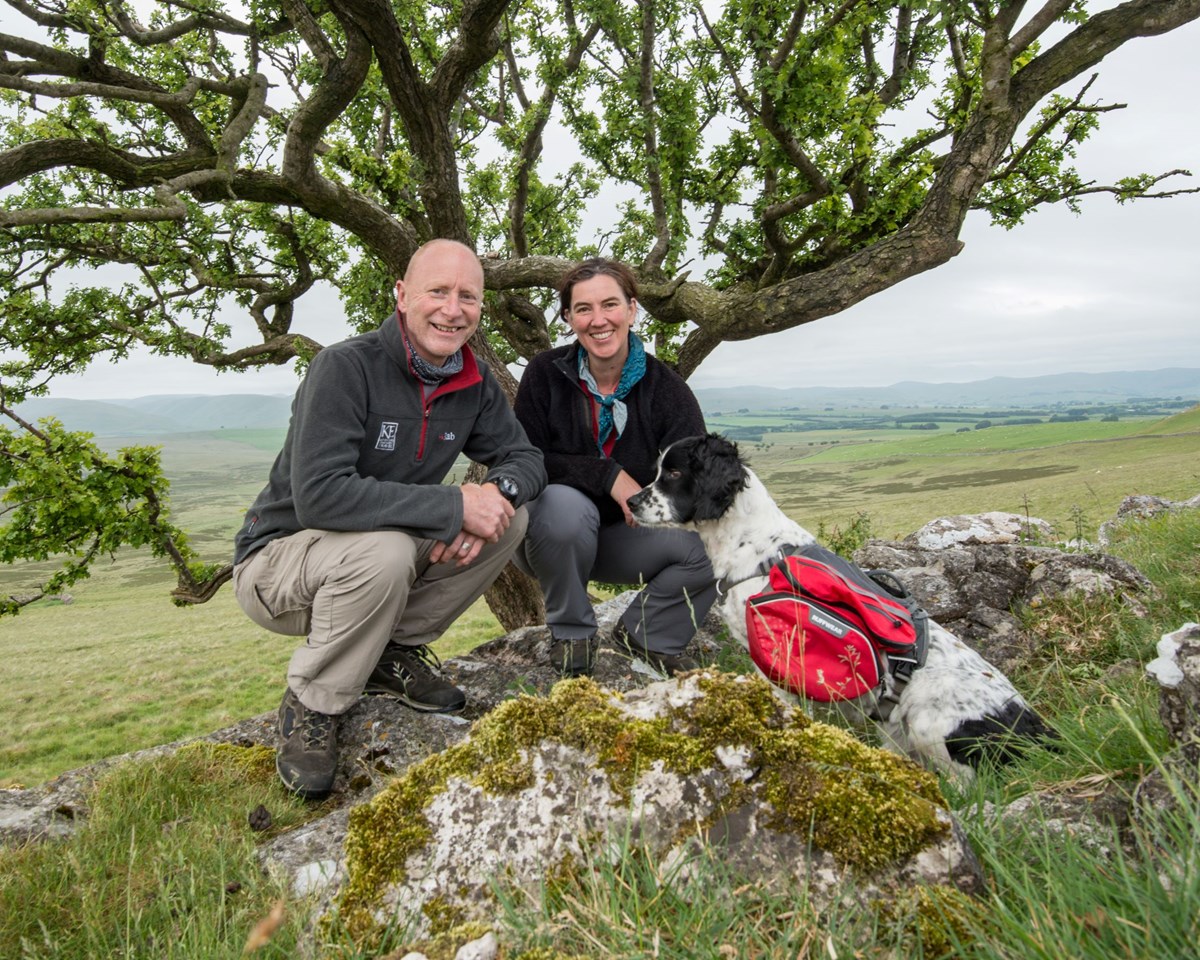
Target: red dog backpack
point(828, 630)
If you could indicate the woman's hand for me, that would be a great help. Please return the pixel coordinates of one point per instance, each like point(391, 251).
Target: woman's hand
point(623, 488)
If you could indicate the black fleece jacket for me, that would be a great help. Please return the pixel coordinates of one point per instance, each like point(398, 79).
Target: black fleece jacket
point(557, 414)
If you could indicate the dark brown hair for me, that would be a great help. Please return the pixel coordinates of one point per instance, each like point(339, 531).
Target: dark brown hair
point(595, 267)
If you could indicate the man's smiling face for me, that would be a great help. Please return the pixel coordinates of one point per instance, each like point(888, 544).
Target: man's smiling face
point(440, 298)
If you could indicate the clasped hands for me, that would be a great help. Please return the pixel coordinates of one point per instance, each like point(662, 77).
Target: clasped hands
point(486, 515)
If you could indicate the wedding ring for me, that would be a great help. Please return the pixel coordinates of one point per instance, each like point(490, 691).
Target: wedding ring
point(466, 545)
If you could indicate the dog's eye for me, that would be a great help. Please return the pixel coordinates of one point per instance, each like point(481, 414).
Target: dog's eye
point(674, 474)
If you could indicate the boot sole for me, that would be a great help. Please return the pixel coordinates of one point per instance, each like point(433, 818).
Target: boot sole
point(374, 691)
point(653, 662)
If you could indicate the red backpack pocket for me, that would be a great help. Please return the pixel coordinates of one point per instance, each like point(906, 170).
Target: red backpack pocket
point(837, 585)
point(809, 648)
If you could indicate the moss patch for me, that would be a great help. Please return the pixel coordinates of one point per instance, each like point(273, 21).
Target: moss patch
point(941, 918)
point(867, 807)
point(444, 916)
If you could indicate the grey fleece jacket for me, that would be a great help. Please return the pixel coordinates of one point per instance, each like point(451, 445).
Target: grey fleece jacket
point(369, 445)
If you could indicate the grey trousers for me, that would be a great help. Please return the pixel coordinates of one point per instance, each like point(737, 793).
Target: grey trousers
point(350, 593)
point(566, 546)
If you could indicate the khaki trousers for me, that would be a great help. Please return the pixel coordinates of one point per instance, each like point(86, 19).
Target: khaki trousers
point(350, 593)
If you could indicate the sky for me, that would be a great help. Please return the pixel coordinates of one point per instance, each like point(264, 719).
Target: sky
point(1115, 288)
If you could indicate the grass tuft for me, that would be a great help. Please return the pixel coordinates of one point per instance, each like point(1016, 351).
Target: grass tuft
point(164, 865)
point(1092, 895)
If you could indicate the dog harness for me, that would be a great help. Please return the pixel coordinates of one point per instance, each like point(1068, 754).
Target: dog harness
point(829, 630)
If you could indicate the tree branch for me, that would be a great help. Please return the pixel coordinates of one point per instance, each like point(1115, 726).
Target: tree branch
point(662, 229)
point(1093, 40)
point(1037, 25)
point(531, 147)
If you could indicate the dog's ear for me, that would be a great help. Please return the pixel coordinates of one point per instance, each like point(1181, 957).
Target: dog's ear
point(719, 475)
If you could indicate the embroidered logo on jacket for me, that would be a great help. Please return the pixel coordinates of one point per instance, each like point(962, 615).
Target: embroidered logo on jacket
point(448, 435)
point(387, 436)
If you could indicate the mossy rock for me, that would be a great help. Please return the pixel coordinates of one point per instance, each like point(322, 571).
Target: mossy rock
point(547, 784)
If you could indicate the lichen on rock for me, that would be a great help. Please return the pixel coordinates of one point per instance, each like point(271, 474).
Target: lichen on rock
point(543, 784)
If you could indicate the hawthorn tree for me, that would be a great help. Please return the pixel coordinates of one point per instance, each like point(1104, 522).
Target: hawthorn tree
point(765, 163)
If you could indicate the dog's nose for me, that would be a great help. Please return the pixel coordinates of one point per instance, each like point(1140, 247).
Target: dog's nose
point(636, 499)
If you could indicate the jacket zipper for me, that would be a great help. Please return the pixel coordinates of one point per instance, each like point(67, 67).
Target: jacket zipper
point(424, 432)
point(426, 408)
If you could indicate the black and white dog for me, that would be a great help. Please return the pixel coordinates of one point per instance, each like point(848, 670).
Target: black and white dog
point(954, 712)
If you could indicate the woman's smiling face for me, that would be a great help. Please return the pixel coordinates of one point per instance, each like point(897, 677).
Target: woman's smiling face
point(601, 317)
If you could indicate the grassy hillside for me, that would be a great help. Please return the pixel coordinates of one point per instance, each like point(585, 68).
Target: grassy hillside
point(1186, 422)
point(1065, 473)
point(143, 671)
point(166, 863)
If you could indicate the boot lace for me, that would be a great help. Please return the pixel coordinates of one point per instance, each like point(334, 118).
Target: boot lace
point(315, 729)
point(420, 662)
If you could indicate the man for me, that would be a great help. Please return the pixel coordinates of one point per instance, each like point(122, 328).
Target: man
point(355, 542)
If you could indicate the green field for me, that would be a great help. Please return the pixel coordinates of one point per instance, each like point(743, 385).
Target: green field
point(1055, 471)
point(144, 672)
point(141, 670)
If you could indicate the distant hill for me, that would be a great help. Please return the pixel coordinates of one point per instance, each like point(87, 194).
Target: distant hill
point(1188, 421)
point(177, 413)
point(1175, 383)
point(163, 415)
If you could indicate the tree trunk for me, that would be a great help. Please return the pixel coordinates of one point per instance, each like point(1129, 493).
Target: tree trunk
point(516, 599)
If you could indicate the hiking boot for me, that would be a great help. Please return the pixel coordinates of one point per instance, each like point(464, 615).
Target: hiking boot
point(306, 756)
point(412, 675)
point(664, 663)
point(573, 658)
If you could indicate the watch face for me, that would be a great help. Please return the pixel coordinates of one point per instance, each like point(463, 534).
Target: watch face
point(507, 487)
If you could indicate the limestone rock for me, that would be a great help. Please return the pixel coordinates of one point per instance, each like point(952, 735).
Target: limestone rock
point(1141, 506)
point(1177, 670)
point(975, 529)
point(378, 738)
point(1093, 810)
point(309, 858)
point(35, 814)
point(1090, 574)
point(1175, 784)
point(544, 784)
point(973, 585)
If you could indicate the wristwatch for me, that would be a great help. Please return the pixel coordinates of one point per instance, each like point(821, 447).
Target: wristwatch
point(508, 488)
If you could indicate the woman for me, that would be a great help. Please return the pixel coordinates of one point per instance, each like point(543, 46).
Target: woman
point(600, 409)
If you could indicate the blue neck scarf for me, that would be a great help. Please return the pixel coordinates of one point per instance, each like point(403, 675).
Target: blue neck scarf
point(613, 412)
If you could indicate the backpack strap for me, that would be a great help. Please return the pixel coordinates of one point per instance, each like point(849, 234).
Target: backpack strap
point(901, 668)
point(904, 666)
point(725, 584)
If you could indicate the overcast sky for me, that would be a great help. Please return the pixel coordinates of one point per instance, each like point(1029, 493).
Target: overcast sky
point(1116, 288)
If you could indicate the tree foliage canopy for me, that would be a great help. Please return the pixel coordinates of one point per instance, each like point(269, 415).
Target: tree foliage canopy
point(762, 164)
